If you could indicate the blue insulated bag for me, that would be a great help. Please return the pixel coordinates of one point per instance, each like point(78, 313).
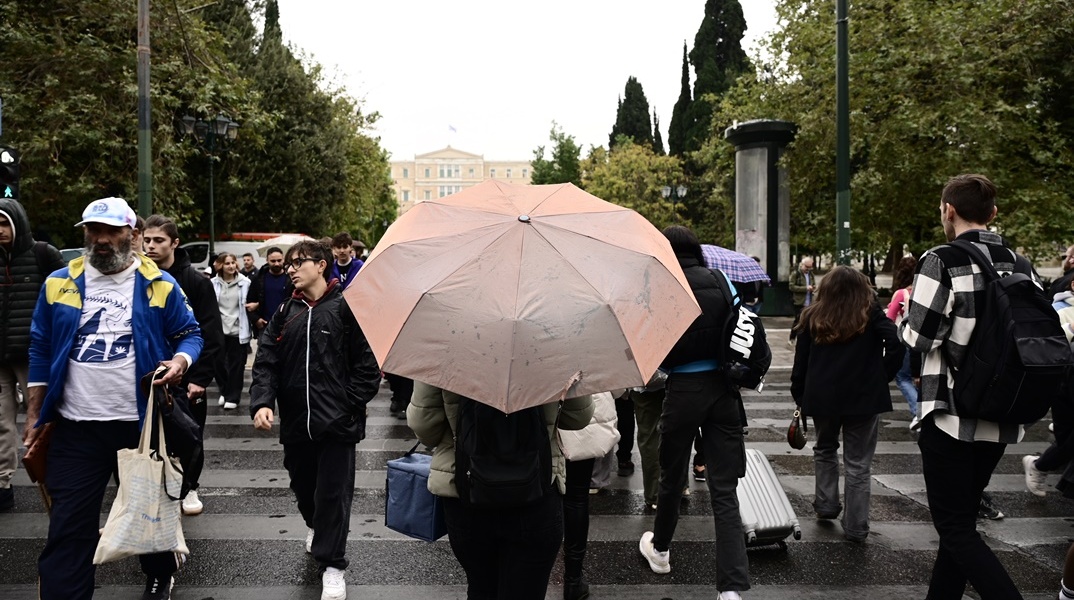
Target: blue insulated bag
point(410, 508)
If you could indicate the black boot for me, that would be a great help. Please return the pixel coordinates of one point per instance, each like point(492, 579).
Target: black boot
point(575, 589)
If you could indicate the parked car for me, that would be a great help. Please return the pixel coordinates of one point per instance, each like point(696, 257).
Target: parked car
point(70, 254)
point(199, 251)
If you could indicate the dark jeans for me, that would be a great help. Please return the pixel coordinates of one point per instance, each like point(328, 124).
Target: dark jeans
point(647, 408)
point(576, 516)
point(624, 413)
point(230, 365)
point(322, 478)
point(859, 445)
point(81, 460)
point(955, 475)
point(705, 401)
point(507, 554)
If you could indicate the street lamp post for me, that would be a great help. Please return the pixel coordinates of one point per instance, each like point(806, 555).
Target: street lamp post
point(675, 194)
point(211, 135)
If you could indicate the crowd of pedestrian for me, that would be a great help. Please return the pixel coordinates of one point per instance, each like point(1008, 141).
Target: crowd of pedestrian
point(76, 338)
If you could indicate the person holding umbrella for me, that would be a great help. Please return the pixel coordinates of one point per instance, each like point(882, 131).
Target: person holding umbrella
point(699, 395)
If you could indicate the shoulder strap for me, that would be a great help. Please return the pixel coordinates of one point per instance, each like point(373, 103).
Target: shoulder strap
point(40, 250)
point(1021, 263)
point(733, 300)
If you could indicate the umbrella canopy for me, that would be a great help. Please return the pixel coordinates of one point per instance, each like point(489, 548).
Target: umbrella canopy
point(283, 242)
point(737, 266)
point(503, 292)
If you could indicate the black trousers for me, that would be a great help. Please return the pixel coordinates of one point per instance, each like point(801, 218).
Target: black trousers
point(230, 365)
point(322, 478)
point(402, 389)
point(576, 516)
point(624, 413)
point(199, 408)
point(507, 554)
point(956, 473)
point(81, 460)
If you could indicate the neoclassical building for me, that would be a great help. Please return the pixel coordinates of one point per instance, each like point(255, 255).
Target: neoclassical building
point(447, 171)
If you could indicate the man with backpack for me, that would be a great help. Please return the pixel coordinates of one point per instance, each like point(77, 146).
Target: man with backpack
point(952, 315)
point(501, 478)
point(24, 266)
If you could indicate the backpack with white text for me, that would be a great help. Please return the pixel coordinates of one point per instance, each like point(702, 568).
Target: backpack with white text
point(1017, 360)
point(744, 352)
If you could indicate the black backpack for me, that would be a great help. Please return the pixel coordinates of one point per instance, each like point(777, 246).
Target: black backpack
point(744, 353)
point(1018, 359)
point(501, 460)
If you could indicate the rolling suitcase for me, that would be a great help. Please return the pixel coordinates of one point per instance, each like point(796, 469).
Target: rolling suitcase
point(767, 515)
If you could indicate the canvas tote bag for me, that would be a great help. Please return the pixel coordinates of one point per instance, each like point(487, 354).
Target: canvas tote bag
point(145, 515)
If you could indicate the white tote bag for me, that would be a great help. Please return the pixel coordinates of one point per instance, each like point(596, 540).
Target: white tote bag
point(596, 439)
point(145, 515)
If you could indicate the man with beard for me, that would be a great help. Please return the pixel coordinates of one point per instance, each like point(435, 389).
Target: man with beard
point(269, 289)
point(161, 239)
point(100, 323)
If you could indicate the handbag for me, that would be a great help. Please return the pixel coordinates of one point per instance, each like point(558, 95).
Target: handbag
point(410, 508)
point(797, 430)
point(145, 514)
point(596, 439)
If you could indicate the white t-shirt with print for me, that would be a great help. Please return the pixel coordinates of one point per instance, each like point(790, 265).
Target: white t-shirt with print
point(101, 371)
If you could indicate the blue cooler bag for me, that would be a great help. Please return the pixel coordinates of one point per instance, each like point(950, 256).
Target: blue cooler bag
point(411, 509)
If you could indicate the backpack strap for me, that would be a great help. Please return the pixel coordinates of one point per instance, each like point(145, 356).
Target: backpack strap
point(1021, 264)
point(40, 250)
point(733, 299)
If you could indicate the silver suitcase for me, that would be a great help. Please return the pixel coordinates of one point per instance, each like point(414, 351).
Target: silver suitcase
point(767, 515)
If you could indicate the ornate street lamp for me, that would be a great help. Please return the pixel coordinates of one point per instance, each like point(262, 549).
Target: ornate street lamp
point(675, 194)
point(211, 136)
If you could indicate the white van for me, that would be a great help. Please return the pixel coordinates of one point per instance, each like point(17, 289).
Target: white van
point(199, 252)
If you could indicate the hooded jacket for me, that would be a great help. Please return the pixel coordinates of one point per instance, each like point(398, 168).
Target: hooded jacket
point(314, 364)
point(21, 278)
point(202, 297)
point(243, 282)
point(701, 340)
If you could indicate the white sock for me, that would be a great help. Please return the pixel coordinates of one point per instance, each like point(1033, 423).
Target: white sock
point(1065, 593)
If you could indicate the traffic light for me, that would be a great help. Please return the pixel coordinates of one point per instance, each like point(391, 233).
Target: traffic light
point(9, 172)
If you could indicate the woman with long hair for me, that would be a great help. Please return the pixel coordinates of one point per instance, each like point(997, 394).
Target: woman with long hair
point(231, 290)
point(902, 282)
point(847, 352)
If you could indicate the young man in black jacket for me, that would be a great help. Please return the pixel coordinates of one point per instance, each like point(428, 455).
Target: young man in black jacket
point(161, 242)
point(313, 362)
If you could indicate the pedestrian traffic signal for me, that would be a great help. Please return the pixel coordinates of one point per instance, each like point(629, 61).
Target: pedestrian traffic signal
point(9, 172)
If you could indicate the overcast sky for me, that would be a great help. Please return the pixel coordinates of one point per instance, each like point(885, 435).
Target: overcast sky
point(490, 76)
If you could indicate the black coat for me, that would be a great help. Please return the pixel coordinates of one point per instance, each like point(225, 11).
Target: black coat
point(314, 363)
point(702, 340)
point(848, 378)
point(21, 278)
point(202, 298)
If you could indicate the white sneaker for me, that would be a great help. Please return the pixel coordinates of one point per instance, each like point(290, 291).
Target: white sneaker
point(333, 587)
point(1034, 477)
point(191, 504)
point(729, 595)
point(659, 562)
point(221, 401)
point(230, 405)
point(309, 542)
point(914, 422)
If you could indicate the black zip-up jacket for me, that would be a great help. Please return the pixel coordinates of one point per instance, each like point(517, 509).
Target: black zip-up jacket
point(202, 298)
point(703, 338)
point(314, 363)
point(21, 279)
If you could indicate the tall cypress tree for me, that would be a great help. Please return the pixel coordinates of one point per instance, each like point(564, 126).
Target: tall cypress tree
point(632, 118)
point(679, 124)
point(718, 60)
point(658, 140)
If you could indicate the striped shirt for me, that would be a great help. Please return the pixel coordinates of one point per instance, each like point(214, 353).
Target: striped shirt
point(939, 323)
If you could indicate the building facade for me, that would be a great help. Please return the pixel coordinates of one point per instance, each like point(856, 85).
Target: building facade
point(447, 171)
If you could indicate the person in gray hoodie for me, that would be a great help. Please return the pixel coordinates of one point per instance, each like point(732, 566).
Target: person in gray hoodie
point(24, 265)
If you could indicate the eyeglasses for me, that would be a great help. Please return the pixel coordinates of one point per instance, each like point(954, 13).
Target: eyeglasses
point(296, 263)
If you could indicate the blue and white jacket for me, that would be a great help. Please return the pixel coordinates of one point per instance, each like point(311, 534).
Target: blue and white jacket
point(163, 324)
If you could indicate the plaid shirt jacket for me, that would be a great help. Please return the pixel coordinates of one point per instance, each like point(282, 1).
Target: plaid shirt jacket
point(939, 323)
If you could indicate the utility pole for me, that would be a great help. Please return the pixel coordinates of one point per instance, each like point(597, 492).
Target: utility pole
point(145, 139)
point(842, 144)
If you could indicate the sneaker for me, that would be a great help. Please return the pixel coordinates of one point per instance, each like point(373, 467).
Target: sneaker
point(626, 468)
point(987, 510)
point(914, 422)
point(309, 542)
point(158, 588)
point(729, 595)
point(221, 401)
point(7, 499)
point(659, 562)
point(333, 587)
point(1034, 477)
point(191, 504)
point(231, 405)
point(699, 472)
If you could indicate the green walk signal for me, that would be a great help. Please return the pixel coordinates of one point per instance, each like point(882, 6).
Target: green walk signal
point(9, 171)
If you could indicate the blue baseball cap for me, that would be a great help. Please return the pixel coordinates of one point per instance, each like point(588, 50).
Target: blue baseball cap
point(109, 211)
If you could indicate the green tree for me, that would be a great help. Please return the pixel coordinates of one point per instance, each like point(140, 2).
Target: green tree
point(679, 123)
point(718, 60)
point(658, 140)
point(632, 117)
point(564, 166)
point(632, 175)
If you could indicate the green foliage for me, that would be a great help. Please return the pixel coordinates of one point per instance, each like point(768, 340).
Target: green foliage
point(930, 98)
point(679, 124)
point(632, 118)
point(658, 140)
point(718, 60)
point(631, 175)
point(565, 165)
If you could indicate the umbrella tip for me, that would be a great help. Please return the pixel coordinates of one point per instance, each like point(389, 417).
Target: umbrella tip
point(524, 218)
